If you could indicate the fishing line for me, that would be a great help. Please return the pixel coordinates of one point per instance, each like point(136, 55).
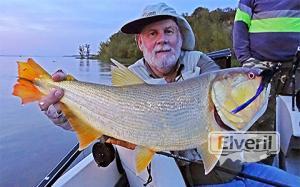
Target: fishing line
point(134, 173)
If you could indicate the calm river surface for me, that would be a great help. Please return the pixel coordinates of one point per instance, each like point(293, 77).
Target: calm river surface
point(30, 145)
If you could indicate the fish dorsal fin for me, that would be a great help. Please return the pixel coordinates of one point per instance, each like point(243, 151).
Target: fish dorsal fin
point(209, 159)
point(86, 134)
point(143, 158)
point(122, 76)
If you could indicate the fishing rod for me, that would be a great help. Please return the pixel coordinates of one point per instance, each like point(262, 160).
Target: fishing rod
point(226, 170)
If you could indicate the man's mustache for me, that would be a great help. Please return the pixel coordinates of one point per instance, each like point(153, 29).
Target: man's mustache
point(165, 48)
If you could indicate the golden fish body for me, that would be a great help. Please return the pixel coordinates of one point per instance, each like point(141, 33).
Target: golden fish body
point(175, 116)
point(160, 117)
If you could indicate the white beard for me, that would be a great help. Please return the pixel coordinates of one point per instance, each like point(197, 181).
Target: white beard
point(165, 62)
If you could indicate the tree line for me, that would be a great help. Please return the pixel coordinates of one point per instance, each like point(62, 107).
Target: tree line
point(212, 30)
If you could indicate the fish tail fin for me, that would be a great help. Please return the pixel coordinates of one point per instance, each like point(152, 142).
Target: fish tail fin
point(26, 91)
point(31, 71)
point(143, 158)
point(27, 73)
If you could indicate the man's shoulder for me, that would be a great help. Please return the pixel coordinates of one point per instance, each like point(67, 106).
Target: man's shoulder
point(191, 53)
point(139, 69)
point(190, 57)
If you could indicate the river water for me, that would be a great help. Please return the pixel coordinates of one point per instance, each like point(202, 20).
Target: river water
point(30, 145)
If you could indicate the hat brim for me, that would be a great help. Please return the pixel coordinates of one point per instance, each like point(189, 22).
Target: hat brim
point(136, 26)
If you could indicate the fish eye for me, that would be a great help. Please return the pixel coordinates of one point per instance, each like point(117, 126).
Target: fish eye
point(251, 75)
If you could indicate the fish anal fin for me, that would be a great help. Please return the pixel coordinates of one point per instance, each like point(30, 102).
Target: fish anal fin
point(26, 91)
point(209, 158)
point(86, 134)
point(143, 158)
point(122, 76)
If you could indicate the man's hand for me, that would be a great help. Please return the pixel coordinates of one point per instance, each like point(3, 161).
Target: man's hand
point(254, 63)
point(50, 105)
point(55, 94)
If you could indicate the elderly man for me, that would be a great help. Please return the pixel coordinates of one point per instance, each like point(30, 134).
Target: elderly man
point(167, 40)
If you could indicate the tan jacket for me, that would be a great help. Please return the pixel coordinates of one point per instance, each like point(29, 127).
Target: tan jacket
point(194, 63)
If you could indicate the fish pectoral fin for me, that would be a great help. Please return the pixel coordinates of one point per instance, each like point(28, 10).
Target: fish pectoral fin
point(122, 76)
point(26, 91)
point(143, 158)
point(86, 134)
point(209, 159)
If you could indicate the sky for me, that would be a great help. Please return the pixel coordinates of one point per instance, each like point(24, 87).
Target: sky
point(58, 27)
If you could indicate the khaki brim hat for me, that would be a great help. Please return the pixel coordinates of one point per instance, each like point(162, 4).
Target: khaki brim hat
point(157, 12)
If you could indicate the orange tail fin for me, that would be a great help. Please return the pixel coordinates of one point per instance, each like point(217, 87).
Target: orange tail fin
point(28, 72)
point(26, 91)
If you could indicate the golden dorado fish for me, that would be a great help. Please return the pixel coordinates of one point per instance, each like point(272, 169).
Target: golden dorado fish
point(170, 117)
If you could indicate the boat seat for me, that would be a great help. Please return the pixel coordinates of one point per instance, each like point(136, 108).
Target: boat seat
point(288, 126)
point(287, 123)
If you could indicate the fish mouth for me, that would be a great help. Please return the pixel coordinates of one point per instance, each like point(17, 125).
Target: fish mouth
point(266, 78)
